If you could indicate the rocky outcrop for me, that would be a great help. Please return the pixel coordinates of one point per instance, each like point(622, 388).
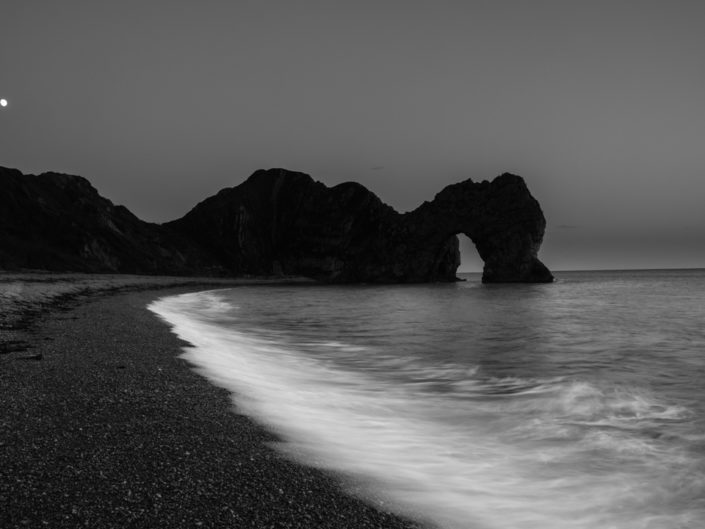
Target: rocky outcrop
point(502, 219)
point(284, 222)
point(59, 222)
point(276, 222)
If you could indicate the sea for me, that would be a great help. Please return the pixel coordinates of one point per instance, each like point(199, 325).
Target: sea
point(573, 405)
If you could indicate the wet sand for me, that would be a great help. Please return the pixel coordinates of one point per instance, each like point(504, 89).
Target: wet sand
point(102, 425)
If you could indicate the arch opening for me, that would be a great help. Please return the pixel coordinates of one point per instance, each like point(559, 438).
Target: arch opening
point(470, 261)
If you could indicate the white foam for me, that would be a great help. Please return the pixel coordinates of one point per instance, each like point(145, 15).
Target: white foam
point(518, 457)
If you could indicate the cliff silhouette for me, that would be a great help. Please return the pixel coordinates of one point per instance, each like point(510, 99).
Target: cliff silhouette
point(277, 222)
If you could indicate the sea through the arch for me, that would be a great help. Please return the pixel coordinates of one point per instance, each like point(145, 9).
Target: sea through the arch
point(573, 405)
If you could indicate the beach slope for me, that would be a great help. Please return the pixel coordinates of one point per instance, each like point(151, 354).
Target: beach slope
point(102, 425)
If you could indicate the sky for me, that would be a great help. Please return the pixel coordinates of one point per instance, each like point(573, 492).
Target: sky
point(599, 105)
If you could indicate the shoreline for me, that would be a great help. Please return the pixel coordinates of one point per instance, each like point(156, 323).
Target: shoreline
point(108, 427)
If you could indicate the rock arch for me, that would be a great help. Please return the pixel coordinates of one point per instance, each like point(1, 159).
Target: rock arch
point(279, 221)
point(276, 222)
point(501, 218)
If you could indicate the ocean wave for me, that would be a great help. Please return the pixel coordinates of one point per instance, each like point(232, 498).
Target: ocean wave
point(490, 452)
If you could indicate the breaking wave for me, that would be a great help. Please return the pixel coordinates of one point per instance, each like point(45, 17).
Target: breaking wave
point(446, 442)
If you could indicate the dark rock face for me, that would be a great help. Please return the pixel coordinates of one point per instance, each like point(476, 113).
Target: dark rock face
point(284, 222)
point(277, 222)
point(501, 217)
point(59, 222)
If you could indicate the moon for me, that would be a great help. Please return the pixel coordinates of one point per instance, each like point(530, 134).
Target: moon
point(3, 102)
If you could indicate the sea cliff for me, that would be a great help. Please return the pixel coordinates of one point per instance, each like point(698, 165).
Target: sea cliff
point(277, 222)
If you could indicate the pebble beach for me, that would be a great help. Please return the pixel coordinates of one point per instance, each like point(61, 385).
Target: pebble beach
point(103, 425)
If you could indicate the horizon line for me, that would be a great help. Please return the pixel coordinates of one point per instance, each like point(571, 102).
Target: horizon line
point(610, 269)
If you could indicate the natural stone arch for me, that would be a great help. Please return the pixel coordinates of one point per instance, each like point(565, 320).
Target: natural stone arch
point(501, 218)
point(279, 220)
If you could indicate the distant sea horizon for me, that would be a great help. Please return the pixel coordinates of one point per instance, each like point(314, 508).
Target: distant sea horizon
point(656, 269)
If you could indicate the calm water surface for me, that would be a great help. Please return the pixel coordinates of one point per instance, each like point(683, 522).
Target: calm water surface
point(579, 404)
